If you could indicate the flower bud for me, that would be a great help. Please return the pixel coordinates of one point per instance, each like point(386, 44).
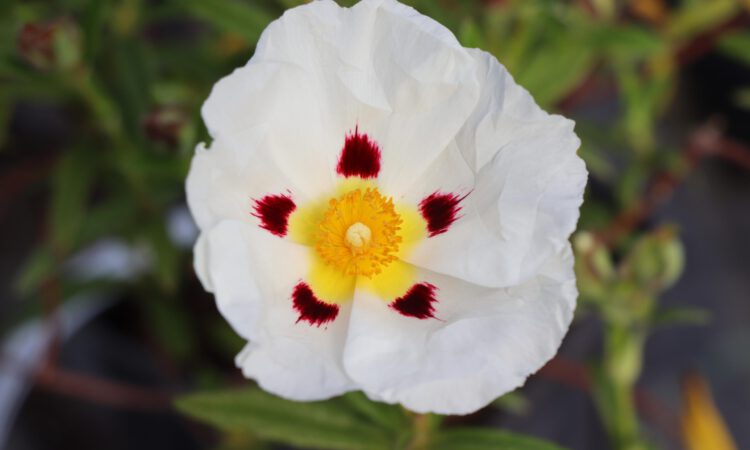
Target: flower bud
point(50, 45)
point(165, 124)
point(656, 260)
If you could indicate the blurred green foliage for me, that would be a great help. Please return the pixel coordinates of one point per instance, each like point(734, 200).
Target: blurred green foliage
point(130, 76)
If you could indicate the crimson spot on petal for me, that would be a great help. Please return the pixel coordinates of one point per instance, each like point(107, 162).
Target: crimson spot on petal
point(273, 212)
point(360, 157)
point(310, 308)
point(440, 210)
point(417, 302)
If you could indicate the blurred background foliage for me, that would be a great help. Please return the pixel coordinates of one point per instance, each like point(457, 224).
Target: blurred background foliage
point(100, 113)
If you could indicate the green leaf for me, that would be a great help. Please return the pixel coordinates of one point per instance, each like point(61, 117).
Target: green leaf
point(326, 425)
point(555, 68)
point(117, 215)
point(513, 402)
point(736, 45)
point(698, 16)
point(246, 20)
point(487, 439)
point(470, 34)
point(619, 41)
point(93, 24)
point(388, 416)
point(70, 191)
point(37, 269)
point(131, 72)
point(167, 258)
point(643, 98)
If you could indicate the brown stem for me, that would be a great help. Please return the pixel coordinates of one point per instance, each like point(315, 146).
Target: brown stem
point(100, 391)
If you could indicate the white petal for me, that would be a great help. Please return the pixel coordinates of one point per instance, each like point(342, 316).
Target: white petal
point(321, 70)
point(506, 112)
point(426, 79)
point(223, 182)
point(253, 275)
point(201, 264)
point(526, 193)
point(484, 342)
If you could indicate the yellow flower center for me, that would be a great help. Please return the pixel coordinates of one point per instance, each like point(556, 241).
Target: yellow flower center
point(359, 233)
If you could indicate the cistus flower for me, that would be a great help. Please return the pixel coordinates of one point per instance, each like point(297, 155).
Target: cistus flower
point(384, 210)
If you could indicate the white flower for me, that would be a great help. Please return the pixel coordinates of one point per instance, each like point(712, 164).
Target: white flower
point(382, 209)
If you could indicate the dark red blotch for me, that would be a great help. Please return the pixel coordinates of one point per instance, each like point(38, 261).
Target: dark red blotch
point(360, 157)
point(273, 212)
point(310, 308)
point(417, 302)
point(440, 210)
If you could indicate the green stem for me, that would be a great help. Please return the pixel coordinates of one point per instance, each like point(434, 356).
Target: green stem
point(98, 102)
point(622, 366)
point(625, 431)
point(422, 427)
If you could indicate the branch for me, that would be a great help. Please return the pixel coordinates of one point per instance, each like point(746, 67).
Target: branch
point(100, 391)
point(706, 141)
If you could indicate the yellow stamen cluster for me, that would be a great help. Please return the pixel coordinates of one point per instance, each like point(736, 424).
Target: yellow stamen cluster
point(359, 233)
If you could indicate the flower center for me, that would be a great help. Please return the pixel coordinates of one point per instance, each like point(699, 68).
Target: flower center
point(359, 233)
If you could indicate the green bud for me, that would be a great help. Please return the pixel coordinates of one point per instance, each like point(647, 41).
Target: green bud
point(593, 266)
point(656, 261)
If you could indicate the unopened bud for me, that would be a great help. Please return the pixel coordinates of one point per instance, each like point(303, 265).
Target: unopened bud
point(165, 124)
point(50, 45)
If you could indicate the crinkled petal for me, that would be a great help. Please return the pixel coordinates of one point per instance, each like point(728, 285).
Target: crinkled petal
point(321, 70)
point(224, 182)
point(481, 343)
point(528, 186)
point(201, 264)
point(253, 275)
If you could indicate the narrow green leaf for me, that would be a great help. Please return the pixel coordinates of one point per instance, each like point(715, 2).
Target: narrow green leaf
point(326, 425)
point(513, 402)
point(246, 20)
point(388, 416)
point(698, 16)
point(470, 34)
point(619, 41)
point(117, 215)
point(94, 22)
point(556, 68)
point(70, 191)
point(167, 258)
point(37, 268)
point(487, 439)
point(131, 74)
